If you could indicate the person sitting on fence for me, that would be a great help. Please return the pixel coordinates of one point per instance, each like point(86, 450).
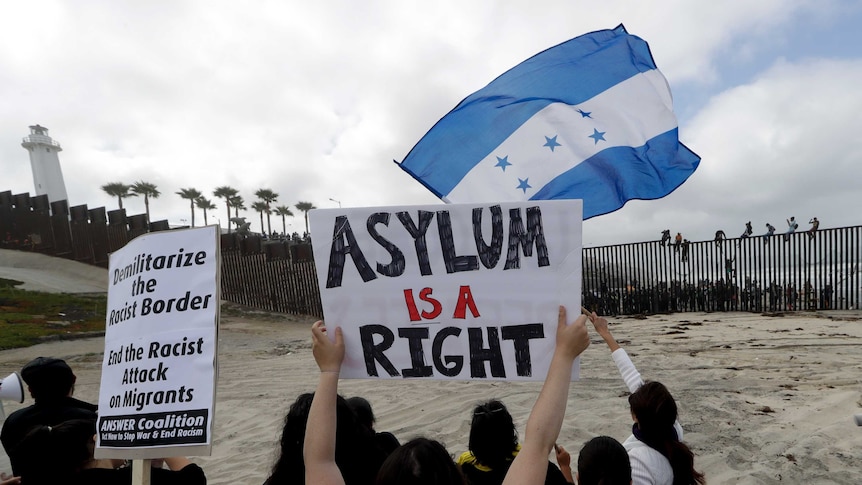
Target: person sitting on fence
point(677, 242)
point(665, 237)
point(815, 224)
point(770, 231)
point(791, 228)
point(748, 230)
point(719, 238)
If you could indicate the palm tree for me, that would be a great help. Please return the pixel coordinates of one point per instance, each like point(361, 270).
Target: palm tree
point(282, 211)
point(260, 206)
point(305, 207)
point(205, 204)
point(147, 190)
point(238, 204)
point(118, 190)
point(268, 197)
point(192, 195)
point(225, 192)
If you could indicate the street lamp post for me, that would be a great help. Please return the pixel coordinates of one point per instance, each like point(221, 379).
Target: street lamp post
point(336, 201)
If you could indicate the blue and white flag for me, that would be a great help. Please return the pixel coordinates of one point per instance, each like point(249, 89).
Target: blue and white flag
point(591, 118)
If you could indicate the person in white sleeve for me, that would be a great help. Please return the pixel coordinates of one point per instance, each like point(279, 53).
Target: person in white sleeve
point(656, 451)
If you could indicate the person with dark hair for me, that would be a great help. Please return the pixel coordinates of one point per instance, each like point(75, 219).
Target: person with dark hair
point(665, 237)
point(748, 230)
point(656, 451)
point(815, 225)
point(50, 455)
point(604, 461)
point(493, 444)
point(719, 238)
point(365, 415)
point(51, 383)
point(546, 417)
point(356, 454)
point(770, 231)
point(420, 461)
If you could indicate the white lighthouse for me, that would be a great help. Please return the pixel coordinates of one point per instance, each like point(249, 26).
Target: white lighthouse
point(47, 176)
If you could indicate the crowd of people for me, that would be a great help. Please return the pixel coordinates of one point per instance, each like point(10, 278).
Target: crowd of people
point(345, 448)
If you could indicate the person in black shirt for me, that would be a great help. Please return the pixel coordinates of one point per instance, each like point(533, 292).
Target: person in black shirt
point(64, 454)
point(51, 383)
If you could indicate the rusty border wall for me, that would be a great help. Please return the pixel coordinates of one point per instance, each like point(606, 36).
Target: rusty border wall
point(800, 271)
point(272, 275)
point(804, 271)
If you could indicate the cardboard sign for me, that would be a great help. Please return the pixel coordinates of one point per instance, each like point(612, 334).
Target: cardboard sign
point(157, 394)
point(461, 291)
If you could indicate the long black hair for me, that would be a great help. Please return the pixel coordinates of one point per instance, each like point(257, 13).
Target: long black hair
point(356, 452)
point(604, 461)
point(420, 461)
point(493, 437)
point(656, 412)
point(54, 454)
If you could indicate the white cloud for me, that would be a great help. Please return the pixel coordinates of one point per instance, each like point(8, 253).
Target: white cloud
point(315, 99)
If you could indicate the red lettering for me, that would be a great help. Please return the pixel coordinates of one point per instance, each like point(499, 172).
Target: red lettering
point(436, 308)
point(465, 300)
point(411, 305)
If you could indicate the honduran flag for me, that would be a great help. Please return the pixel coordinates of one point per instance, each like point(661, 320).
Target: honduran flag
point(591, 118)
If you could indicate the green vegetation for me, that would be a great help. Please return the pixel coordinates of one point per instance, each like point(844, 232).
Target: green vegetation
point(27, 317)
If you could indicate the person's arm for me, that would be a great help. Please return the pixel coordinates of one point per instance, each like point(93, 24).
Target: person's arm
point(174, 463)
point(9, 479)
point(546, 418)
point(627, 369)
point(624, 363)
point(564, 461)
point(319, 445)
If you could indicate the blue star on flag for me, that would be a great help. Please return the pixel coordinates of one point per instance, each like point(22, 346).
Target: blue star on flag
point(523, 185)
point(597, 135)
point(551, 143)
point(503, 162)
point(585, 114)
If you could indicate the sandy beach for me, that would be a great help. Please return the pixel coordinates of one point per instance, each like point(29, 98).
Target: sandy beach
point(763, 398)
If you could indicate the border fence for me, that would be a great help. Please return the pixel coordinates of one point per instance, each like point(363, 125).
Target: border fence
point(817, 270)
point(803, 271)
point(272, 275)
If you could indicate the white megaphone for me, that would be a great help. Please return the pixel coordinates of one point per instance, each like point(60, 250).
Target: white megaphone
point(11, 388)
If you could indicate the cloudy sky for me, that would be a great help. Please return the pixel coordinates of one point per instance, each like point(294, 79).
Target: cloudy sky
point(314, 100)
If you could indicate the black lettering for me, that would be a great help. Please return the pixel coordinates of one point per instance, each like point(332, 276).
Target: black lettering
point(418, 235)
point(338, 252)
point(453, 263)
point(479, 354)
point(396, 267)
point(451, 365)
point(520, 336)
point(489, 254)
point(518, 236)
point(415, 336)
point(373, 352)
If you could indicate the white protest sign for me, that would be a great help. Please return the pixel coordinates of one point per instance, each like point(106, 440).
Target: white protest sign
point(157, 394)
point(461, 291)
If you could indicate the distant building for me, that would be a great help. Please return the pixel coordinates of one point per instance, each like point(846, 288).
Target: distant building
point(47, 176)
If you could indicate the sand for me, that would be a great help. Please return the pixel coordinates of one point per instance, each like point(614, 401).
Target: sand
point(763, 399)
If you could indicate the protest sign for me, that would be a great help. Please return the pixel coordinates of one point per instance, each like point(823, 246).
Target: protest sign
point(461, 291)
point(157, 394)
